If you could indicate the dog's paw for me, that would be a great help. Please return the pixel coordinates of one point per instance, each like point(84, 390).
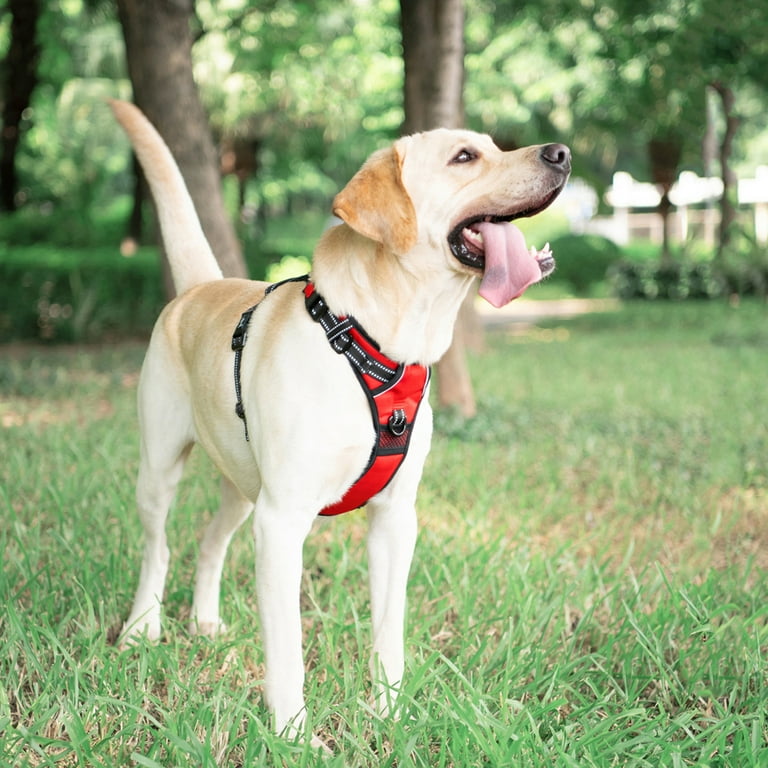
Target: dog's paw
point(384, 702)
point(317, 743)
point(135, 634)
point(207, 628)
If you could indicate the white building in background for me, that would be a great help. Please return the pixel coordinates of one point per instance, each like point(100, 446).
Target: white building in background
point(755, 192)
point(696, 212)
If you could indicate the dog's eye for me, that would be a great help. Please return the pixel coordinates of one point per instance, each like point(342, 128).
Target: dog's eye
point(464, 156)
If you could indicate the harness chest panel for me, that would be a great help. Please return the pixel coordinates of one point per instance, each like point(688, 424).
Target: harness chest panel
point(394, 392)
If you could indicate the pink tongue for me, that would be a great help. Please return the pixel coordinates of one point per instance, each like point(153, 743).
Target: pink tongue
point(509, 266)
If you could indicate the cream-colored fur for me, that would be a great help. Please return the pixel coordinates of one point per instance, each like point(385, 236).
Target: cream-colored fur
point(388, 265)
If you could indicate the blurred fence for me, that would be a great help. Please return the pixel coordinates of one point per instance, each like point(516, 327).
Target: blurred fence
point(696, 212)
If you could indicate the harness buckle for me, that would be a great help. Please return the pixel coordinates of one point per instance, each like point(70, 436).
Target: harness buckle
point(316, 306)
point(241, 330)
point(341, 343)
point(397, 422)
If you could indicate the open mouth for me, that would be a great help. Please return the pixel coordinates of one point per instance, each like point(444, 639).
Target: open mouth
point(491, 245)
point(468, 245)
point(467, 240)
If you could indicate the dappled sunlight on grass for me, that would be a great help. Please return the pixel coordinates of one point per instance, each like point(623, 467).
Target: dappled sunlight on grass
point(589, 583)
point(622, 439)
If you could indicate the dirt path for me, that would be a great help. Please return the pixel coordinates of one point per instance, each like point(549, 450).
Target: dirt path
point(531, 310)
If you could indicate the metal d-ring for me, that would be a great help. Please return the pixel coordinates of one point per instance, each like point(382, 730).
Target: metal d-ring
point(397, 422)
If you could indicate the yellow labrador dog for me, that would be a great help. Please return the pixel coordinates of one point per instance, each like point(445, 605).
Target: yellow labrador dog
point(421, 220)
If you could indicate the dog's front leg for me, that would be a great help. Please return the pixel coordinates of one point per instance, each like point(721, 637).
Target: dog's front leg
point(279, 538)
point(391, 542)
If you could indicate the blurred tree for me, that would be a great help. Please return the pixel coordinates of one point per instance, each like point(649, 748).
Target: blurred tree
point(728, 200)
point(63, 155)
point(319, 85)
point(158, 44)
point(638, 101)
point(19, 78)
point(433, 55)
point(664, 154)
point(727, 49)
point(658, 60)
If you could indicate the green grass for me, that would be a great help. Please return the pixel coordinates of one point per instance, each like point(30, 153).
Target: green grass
point(589, 587)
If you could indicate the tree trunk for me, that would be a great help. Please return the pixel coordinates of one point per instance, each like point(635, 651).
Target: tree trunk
point(433, 56)
point(730, 181)
point(20, 70)
point(158, 43)
point(664, 155)
point(134, 233)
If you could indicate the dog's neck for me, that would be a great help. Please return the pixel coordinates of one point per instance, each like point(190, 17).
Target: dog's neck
point(409, 310)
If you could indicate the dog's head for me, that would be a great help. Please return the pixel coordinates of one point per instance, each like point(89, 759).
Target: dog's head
point(457, 193)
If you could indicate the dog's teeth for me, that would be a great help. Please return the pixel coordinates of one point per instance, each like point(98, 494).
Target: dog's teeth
point(476, 238)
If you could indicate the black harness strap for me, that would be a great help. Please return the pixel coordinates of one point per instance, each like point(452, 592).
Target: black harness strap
point(239, 338)
point(238, 342)
point(338, 332)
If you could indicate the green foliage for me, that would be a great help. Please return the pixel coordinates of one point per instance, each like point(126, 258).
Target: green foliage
point(586, 263)
point(583, 261)
point(63, 278)
point(675, 280)
point(744, 267)
point(69, 154)
point(320, 86)
point(281, 244)
point(740, 273)
point(75, 154)
point(650, 64)
point(53, 228)
point(77, 295)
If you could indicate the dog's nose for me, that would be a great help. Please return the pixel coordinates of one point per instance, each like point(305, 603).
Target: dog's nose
point(557, 155)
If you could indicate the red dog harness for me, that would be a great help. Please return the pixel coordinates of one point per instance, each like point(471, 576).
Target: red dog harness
point(394, 392)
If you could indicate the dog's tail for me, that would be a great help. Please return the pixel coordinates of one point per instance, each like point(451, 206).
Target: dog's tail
point(189, 254)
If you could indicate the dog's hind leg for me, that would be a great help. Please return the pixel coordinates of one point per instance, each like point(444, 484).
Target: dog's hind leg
point(166, 439)
point(233, 512)
point(154, 495)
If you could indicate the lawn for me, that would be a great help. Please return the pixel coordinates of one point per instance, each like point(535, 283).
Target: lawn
point(590, 585)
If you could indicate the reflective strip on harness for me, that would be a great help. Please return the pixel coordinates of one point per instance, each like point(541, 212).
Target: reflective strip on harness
point(394, 392)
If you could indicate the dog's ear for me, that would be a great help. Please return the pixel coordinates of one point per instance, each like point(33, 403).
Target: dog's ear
point(375, 203)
